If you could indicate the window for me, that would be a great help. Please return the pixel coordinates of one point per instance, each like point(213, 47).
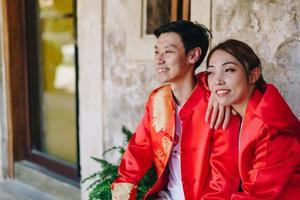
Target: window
point(161, 12)
point(147, 20)
point(52, 77)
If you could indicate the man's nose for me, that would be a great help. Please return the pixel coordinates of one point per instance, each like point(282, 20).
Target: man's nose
point(160, 58)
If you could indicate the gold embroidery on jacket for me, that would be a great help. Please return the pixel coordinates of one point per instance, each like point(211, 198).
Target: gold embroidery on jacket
point(159, 159)
point(161, 110)
point(122, 191)
point(159, 155)
point(167, 144)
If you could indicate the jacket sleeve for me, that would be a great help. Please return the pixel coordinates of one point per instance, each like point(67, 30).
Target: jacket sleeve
point(135, 162)
point(223, 176)
point(277, 154)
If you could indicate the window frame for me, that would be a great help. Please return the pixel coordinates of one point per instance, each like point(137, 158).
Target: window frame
point(20, 53)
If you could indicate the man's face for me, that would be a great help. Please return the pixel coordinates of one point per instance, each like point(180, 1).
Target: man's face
point(171, 62)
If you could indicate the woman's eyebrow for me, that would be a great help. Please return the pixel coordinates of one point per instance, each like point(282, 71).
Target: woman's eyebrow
point(223, 64)
point(210, 66)
point(229, 62)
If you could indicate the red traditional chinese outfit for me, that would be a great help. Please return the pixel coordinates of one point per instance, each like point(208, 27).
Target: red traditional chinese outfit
point(269, 151)
point(153, 141)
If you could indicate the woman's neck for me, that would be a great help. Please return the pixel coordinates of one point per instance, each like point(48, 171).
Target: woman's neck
point(241, 107)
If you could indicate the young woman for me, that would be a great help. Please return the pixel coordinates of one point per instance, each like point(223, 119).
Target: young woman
point(269, 137)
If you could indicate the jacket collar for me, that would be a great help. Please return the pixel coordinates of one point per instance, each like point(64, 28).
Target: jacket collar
point(198, 94)
point(271, 108)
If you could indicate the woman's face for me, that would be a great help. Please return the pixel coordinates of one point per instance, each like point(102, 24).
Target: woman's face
point(227, 79)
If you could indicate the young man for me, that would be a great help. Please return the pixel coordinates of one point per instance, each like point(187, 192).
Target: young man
point(173, 133)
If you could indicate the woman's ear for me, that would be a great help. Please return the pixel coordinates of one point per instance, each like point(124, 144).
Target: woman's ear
point(194, 55)
point(254, 75)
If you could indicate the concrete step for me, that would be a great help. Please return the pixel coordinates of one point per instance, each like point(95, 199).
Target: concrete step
point(46, 182)
point(15, 190)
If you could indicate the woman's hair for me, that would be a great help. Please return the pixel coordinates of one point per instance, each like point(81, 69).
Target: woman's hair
point(244, 54)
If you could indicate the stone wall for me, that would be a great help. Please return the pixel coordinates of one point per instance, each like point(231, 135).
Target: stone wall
point(127, 82)
point(272, 28)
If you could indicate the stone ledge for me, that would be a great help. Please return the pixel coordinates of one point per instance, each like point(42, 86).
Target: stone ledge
point(11, 189)
point(46, 181)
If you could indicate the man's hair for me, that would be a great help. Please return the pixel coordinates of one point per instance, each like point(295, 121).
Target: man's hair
point(192, 35)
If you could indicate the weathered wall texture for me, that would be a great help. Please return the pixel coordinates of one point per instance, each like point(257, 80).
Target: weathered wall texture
point(272, 28)
point(127, 83)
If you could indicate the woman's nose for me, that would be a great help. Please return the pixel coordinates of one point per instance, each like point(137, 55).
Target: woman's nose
point(219, 80)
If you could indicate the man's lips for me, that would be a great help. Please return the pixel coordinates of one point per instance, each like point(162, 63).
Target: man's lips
point(162, 69)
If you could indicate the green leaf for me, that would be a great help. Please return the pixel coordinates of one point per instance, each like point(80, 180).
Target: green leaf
point(127, 133)
point(100, 182)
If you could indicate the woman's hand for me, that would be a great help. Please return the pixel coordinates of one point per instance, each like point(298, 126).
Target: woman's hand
point(217, 113)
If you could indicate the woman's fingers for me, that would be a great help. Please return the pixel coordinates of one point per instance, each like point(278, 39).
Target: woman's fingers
point(214, 114)
point(220, 117)
point(209, 108)
point(227, 117)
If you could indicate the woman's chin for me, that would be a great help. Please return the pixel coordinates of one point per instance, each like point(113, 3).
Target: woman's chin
point(224, 102)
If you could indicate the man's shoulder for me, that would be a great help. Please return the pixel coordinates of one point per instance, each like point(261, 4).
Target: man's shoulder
point(161, 90)
point(160, 95)
point(202, 80)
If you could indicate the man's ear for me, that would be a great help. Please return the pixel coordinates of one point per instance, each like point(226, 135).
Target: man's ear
point(254, 75)
point(194, 55)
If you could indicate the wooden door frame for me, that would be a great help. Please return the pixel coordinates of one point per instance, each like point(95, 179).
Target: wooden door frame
point(16, 52)
point(15, 64)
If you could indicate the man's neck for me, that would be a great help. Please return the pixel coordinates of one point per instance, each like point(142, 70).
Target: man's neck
point(182, 89)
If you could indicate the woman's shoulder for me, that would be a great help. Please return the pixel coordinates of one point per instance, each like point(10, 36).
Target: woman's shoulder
point(274, 111)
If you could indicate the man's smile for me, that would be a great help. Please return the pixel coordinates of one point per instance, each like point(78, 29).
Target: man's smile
point(162, 69)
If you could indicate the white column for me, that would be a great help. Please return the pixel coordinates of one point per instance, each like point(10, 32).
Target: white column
point(90, 43)
point(201, 11)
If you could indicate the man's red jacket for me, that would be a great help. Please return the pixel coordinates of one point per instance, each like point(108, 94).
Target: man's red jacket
point(153, 141)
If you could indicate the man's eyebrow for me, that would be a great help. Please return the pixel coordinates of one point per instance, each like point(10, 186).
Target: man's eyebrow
point(171, 45)
point(167, 46)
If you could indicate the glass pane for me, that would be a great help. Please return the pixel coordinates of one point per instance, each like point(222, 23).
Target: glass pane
point(57, 72)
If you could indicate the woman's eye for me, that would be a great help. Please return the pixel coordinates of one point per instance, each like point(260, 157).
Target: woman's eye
point(209, 73)
point(229, 70)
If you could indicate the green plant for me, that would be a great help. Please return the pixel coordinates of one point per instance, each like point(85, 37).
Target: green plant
point(100, 186)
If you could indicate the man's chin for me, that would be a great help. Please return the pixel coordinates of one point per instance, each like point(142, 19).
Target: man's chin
point(163, 81)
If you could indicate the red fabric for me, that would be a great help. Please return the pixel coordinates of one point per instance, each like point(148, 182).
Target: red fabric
point(269, 154)
point(149, 145)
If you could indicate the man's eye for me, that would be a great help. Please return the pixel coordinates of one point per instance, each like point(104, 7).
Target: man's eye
point(169, 51)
